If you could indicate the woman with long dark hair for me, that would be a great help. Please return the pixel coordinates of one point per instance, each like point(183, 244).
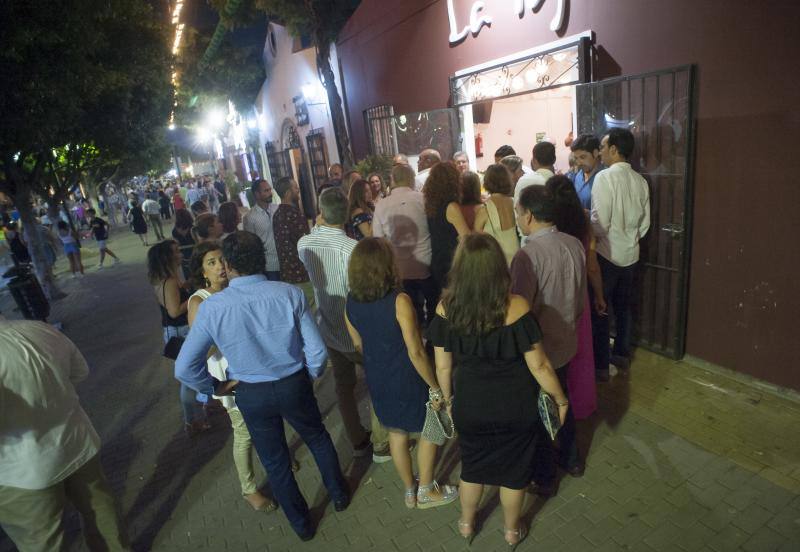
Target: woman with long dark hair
point(571, 218)
point(495, 343)
point(359, 205)
point(469, 197)
point(207, 228)
point(137, 221)
point(230, 217)
point(163, 263)
point(445, 221)
point(383, 326)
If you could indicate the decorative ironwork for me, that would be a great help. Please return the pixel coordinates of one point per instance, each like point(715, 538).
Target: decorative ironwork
point(379, 122)
point(300, 110)
point(317, 157)
point(551, 69)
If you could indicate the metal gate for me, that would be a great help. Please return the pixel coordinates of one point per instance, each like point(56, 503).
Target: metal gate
point(317, 157)
point(658, 108)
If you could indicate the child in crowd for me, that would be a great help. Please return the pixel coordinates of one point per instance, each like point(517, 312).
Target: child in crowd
point(100, 232)
point(71, 248)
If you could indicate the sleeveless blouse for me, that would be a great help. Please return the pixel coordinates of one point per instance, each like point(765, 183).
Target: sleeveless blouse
point(217, 365)
point(508, 239)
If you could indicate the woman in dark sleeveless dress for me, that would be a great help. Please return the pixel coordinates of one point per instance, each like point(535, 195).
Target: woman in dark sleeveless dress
point(445, 219)
point(163, 263)
point(494, 343)
point(382, 323)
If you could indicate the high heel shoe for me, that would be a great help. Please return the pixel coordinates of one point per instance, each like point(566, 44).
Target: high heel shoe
point(519, 534)
point(425, 500)
point(466, 530)
point(411, 498)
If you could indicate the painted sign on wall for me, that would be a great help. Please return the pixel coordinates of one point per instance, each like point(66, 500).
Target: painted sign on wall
point(478, 17)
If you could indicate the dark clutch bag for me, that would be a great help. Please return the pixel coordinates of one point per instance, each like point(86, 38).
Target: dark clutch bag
point(548, 413)
point(173, 347)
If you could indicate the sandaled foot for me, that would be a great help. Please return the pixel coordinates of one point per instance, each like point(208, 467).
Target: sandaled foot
point(260, 503)
point(515, 536)
point(432, 496)
point(466, 530)
point(411, 498)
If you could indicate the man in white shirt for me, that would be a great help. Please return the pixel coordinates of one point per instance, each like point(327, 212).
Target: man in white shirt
point(48, 447)
point(620, 218)
point(152, 210)
point(258, 220)
point(325, 253)
point(400, 218)
point(542, 161)
point(427, 159)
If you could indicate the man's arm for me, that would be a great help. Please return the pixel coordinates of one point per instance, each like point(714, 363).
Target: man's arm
point(644, 226)
point(524, 281)
point(190, 366)
point(314, 348)
point(377, 223)
point(601, 206)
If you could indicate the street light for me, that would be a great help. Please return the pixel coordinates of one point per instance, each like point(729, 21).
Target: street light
point(216, 119)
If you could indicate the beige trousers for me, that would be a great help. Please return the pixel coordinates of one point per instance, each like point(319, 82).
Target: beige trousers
point(243, 452)
point(33, 519)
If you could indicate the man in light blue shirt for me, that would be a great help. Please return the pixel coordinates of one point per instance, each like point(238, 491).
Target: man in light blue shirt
point(273, 347)
point(586, 149)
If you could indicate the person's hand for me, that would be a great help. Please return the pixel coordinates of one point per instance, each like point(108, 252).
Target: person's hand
point(600, 305)
point(562, 413)
point(436, 404)
point(224, 388)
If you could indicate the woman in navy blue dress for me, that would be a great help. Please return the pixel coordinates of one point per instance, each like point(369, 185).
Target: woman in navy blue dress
point(382, 323)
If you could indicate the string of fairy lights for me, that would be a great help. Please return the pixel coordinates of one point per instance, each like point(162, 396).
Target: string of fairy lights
point(176, 45)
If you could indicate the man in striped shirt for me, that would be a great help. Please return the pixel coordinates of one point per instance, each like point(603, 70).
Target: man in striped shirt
point(325, 252)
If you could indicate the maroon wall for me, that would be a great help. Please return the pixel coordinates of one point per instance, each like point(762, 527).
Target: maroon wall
point(744, 288)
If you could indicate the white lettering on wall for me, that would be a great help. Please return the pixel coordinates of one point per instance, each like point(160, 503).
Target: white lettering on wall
point(477, 19)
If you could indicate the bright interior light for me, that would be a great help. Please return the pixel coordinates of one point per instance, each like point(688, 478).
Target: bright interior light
point(530, 76)
point(309, 91)
point(216, 119)
point(516, 83)
point(560, 56)
point(203, 135)
point(172, 126)
point(252, 123)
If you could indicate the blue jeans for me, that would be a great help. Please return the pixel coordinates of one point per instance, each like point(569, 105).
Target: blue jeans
point(264, 407)
point(189, 397)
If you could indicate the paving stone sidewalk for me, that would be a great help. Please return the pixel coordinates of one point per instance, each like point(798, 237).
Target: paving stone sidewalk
point(679, 458)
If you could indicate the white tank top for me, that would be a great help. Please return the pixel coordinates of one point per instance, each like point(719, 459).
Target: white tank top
point(216, 363)
point(508, 240)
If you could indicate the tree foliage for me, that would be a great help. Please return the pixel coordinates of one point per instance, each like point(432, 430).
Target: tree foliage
point(85, 87)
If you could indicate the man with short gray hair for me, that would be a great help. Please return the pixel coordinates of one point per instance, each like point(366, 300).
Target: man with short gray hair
point(400, 218)
point(462, 161)
point(325, 252)
point(427, 159)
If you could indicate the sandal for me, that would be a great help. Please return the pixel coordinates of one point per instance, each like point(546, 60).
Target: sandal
point(425, 500)
point(266, 506)
point(466, 530)
point(411, 498)
point(517, 536)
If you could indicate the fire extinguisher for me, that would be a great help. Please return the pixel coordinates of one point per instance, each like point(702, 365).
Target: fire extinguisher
point(478, 145)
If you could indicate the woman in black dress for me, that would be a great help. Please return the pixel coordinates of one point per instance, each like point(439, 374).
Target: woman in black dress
point(445, 219)
point(137, 221)
point(494, 341)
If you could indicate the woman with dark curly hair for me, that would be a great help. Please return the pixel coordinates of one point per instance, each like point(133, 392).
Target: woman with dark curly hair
point(163, 263)
point(381, 321)
point(496, 345)
point(445, 221)
point(230, 217)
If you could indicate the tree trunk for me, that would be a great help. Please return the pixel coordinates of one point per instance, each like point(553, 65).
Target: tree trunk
point(36, 240)
point(326, 75)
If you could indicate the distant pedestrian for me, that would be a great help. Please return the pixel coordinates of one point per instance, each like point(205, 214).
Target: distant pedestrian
point(230, 218)
point(100, 232)
point(137, 221)
point(72, 248)
point(164, 203)
point(152, 210)
point(182, 234)
point(259, 221)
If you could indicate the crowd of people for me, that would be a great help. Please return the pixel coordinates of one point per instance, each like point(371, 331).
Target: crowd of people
point(460, 295)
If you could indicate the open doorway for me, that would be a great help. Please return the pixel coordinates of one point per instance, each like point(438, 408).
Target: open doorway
point(523, 121)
